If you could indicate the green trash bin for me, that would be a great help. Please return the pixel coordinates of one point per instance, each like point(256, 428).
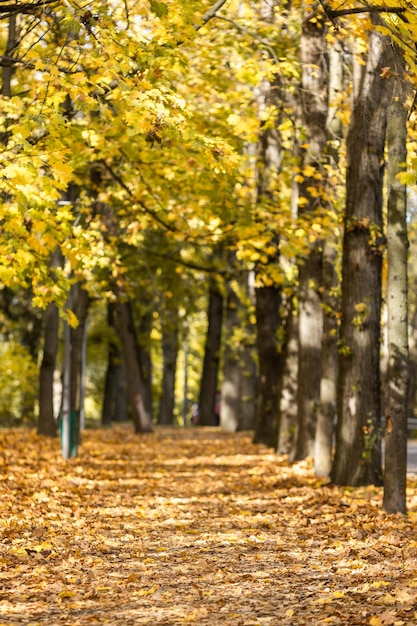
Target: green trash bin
point(74, 432)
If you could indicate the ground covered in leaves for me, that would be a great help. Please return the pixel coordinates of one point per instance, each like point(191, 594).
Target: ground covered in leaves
point(193, 526)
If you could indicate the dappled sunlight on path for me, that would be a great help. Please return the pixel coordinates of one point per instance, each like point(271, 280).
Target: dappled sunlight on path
point(193, 526)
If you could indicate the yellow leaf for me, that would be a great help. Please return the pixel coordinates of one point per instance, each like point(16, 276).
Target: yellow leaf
point(132, 577)
point(43, 546)
point(61, 171)
point(389, 599)
point(67, 593)
point(289, 612)
point(146, 592)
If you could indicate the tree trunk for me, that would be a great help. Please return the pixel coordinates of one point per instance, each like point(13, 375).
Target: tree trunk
point(326, 416)
point(412, 391)
point(46, 419)
point(358, 446)
point(287, 437)
point(248, 367)
point(144, 356)
point(135, 387)
point(230, 395)
point(396, 398)
point(114, 364)
point(7, 64)
point(268, 295)
point(310, 331)
point(314, 103)
point(271, 361)
point(169, 356)
point(323, 445)
point(81, 303)
point(209, 378)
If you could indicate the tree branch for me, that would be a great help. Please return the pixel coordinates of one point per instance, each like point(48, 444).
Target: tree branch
point(208, 15)
point(147, 210)
point(334, 14)
point(25, 7)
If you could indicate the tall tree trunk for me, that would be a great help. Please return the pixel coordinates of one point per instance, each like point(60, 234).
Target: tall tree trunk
point(46, 419)
point(412, 338)
point(248, 366)
point(210, 374)
point(47, 424)
point(230, 395)
point(358, 446)
point(271, 360)
point(396, 398)
point(135, 387)
point(7, 61)
point(145, 361)
point(288, 387)
point(323, 445)
point(268, 295)
point(310, 331)
point(113, 365)
point(169, 356)
point(81, 303)
point(314, 103)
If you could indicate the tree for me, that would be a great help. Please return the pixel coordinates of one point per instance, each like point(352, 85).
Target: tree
point(170, 346)
point(326, 414)
point(135, 386)
point(46, 419)
point(396, 396)
point(209, 379)
point(314, 105)
point(358, 450)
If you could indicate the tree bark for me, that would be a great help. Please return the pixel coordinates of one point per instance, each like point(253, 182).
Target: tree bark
point(114, 399)
point(326, 416)
point(323, 445)
point(314, 104)
point(396, 398)
point(310, 330)
point(81, 302)
point(230, 396)
point(169, 356)
point(135, 387)
point(358, 446)
point(210, 374)
point(270, 356)
point(46, 420)
point(287, 437)
point(144, 356)
point(248, 366)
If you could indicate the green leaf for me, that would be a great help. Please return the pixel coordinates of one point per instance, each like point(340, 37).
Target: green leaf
point(160, 9)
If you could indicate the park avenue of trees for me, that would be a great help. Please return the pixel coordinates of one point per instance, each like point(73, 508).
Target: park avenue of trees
point(200, 197)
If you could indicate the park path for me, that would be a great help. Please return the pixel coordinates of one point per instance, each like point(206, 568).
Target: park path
point(193, 526)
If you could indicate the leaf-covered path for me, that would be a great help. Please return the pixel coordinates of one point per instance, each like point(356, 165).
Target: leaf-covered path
point(193, 526)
